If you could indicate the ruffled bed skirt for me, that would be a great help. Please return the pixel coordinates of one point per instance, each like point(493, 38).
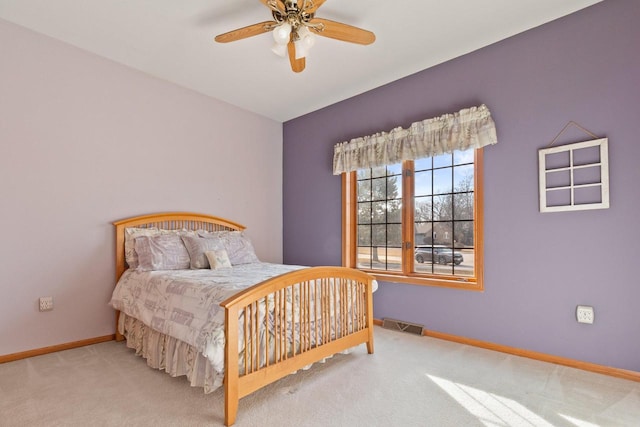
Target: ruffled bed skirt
point(175, 357)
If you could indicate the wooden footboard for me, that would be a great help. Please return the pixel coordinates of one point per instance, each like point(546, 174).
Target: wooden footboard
point(282, 324)
point(290, 321)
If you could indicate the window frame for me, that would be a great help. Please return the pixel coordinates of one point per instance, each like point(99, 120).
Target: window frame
point(350, 244)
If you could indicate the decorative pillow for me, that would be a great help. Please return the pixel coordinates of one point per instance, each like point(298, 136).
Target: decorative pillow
point(218, 259)
point(197, 246)
point(161, 252)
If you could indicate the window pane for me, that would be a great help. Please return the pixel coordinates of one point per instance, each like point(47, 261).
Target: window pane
point(379, 212)
point(394, 235)
point(463, 178)
point(423, 209)
point(378, 188)
point(364, 173)
point(394, 211)
point(443, 208)
point(364, 213)
point(464, 234)
point(394, 187)
point(465, 245)
point(462, 157)
point(423, 164)
point(379, 235)
point(378, 171)
point(463, 206)
point(442, 160)
point(443, 233)
point(422, 184)
point(364, 235)
point(364, 190)
point(423, 233)
point(442, 181)
point(467, 267)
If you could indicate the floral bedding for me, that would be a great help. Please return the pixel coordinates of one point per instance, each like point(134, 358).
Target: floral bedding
point(185, 304)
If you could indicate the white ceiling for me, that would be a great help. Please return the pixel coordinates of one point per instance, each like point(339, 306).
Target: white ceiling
point(173, 40)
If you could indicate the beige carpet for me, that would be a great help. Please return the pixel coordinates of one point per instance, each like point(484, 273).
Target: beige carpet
point(409, 381)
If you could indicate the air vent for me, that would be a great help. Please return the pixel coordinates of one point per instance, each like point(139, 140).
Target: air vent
point(399, 325)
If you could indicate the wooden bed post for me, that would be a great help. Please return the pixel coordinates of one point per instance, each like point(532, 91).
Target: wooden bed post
point(369, 297)
point(231, 370)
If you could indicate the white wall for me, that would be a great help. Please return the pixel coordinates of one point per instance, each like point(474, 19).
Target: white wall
point(84, 142)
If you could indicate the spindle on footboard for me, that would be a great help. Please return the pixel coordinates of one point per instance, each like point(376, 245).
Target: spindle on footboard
point(291, 321)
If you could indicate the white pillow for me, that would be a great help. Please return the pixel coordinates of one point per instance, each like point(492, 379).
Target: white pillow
point(161, 252)
point(218, 259)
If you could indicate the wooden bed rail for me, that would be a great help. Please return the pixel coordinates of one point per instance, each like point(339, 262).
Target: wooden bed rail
point(288, 322)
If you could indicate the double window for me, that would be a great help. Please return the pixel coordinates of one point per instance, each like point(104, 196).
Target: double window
point(419, 221)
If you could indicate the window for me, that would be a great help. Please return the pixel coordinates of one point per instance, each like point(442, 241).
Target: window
point(417, 221)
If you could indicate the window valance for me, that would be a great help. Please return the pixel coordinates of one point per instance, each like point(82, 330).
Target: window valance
point(468, 128)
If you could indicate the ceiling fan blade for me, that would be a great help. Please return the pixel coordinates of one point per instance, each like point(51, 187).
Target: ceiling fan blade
point(297, 65)
point(315, 5)
point(344, 32)
point(279, 5)
point(243, 33)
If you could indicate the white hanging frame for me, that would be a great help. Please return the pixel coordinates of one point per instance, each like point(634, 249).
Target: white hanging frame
point(574, 176)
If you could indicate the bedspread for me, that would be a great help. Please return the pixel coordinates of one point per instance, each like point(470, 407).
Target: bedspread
point(185, 304)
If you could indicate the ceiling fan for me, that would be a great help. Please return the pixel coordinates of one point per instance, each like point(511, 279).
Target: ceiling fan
point(294, 25)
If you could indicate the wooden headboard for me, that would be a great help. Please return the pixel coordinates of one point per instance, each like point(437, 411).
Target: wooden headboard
point(168, 221)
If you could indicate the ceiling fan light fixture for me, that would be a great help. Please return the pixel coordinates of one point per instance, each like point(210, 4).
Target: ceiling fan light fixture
point(279, 49)
point(294, 26)
point(301, 50)
point(281, 33)
point(304, 41)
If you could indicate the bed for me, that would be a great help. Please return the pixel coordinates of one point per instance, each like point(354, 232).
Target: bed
point(238, 334)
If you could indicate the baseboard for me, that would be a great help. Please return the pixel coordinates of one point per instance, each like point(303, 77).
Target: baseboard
point(585, 366)
point(54, 348)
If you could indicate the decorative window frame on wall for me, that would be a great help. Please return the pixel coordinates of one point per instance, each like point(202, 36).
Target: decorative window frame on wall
point(574, 176)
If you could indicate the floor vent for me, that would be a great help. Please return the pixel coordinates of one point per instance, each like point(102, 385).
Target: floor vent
point(399, 325)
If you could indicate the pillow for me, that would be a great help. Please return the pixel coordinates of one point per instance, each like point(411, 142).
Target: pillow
point(130, 234)
point(218, 259)
point(161, 252)
point(238, 247)
point(197, 246)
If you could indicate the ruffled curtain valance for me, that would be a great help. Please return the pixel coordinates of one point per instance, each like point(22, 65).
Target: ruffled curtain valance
point(469, 128)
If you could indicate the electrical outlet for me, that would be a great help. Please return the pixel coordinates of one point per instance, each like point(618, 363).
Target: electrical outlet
point(584, 314)
point(46, 303)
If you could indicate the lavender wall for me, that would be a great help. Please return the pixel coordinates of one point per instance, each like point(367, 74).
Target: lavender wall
point(538, 267)
point(84, 142)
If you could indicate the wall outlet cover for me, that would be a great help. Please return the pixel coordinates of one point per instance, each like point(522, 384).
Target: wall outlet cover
point(584, 314)
point(46, 303)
